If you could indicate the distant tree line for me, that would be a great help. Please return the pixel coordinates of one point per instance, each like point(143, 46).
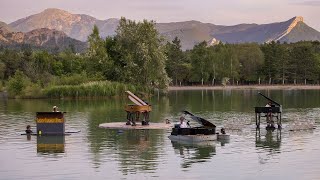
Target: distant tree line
point(139, 58)
point(243, 64)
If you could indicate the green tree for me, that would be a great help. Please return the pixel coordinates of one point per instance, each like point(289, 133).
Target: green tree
point(200, 63)
point(142, 53)
point(251, 59)
point(17, 83)
point(98, 60)
point(177, 63)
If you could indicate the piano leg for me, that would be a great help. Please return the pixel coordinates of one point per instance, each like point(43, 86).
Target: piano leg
point(279, 122)
point(258, 117)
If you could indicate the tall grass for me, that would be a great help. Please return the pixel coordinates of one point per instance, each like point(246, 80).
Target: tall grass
point(93, 90)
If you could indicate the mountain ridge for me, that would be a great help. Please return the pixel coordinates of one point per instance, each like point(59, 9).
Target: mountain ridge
point(42, 38)
point(79, 26)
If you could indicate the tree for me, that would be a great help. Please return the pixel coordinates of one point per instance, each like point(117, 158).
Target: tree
point(98, 60)
point(251, 59)
point(17, 83)
point(200, 63)
point(142, 53)
point(177, 63)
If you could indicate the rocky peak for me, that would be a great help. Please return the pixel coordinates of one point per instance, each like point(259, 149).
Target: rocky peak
point(293, 23)
point(55, 11)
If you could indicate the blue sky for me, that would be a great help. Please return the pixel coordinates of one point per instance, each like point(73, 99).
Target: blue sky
point(225, 12)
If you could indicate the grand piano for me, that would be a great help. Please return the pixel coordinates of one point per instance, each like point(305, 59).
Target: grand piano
point(205, 132)
point(271, 113)
point(139, 111)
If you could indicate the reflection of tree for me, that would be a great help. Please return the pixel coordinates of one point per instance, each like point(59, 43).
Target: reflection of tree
point(271, 143)
point(194, 153)
point(138, 150)
point(101, 139)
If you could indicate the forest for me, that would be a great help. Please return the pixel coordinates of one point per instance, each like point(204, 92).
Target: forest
point(138, 59)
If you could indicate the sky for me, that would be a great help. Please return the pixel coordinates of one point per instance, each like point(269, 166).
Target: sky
point(222, 12)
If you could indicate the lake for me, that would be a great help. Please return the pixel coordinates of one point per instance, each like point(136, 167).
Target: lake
point(148, 154)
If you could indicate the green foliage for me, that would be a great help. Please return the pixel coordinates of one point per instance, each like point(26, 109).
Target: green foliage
point(92, 90)
point(142, 53)
point(17, 84)
point(138, 59)
point(177, 63)
point(33, 90)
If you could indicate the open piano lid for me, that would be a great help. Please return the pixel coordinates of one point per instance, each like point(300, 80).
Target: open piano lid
point(200, 120)
point(269, 99)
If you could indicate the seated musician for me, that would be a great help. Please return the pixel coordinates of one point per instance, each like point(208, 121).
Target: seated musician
point(183, 123)
point(270, 122)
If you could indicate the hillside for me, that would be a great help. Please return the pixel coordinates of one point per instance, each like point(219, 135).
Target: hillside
point(79, 26)
point(41, 38)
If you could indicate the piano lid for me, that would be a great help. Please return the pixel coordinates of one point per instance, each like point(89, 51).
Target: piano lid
point(136, 100)
point(269, 99)
point(200, 120)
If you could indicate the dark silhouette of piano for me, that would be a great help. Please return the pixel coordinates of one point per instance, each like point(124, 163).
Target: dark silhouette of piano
point(272, 112)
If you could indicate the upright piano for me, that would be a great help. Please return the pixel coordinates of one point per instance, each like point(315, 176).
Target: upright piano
point(271, 113)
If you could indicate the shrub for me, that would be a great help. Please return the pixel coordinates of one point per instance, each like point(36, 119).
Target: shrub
point(17, 84)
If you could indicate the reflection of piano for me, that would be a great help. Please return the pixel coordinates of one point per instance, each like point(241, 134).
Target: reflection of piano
point(50, 144)
point(274, 110)
point(195, 152)
point(137, 112)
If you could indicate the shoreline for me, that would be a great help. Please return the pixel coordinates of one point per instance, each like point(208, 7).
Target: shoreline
point(246, 87)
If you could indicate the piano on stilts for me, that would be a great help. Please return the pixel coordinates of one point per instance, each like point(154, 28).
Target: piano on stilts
point(271, 112)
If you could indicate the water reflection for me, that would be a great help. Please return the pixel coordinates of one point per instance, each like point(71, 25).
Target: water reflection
point(194, 153)
point(269, 144)
point(138, 150)
point(50, 144)
point(271, 141)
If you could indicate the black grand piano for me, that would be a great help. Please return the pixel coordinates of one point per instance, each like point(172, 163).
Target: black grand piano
point(271, 113)
point(205, 132)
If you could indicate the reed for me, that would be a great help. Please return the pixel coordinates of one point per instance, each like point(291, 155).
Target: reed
point(93, 90)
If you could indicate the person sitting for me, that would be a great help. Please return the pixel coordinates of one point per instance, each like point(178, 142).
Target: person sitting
point(222, 131)
point(55, 109)
point(183, 124)
point(28, 130)
point(269, 114)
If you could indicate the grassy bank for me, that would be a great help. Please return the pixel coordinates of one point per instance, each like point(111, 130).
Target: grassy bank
point(93, 90)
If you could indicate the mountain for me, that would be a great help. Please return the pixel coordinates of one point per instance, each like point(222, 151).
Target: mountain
point(41, 38)
point(5, 27)
point(79, 26)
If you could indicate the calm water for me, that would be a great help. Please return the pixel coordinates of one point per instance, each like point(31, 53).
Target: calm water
point(109, 154)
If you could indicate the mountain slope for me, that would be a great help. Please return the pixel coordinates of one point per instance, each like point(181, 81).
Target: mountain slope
point(302, 32)
point(41, 38)
point(190, 33)
point(5, 27)
point(77, 26)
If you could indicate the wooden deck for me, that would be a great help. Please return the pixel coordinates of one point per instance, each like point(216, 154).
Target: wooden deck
point(122, 125)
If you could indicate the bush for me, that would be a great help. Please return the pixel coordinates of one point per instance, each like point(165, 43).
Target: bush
point(33, 91)
point(17, 84)
point(92, 90)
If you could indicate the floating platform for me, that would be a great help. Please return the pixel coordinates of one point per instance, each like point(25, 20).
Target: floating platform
point(123, 126)
point(66, 133)
point(223, 137)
